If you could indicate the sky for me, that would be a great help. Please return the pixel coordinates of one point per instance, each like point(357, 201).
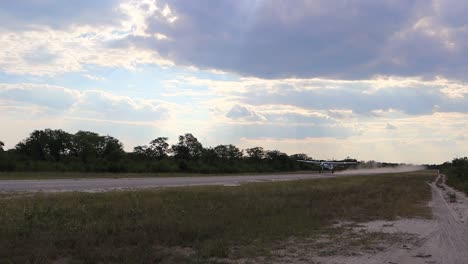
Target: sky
point(372, 80)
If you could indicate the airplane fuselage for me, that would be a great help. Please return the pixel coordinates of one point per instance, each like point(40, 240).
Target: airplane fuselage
point(327, 166)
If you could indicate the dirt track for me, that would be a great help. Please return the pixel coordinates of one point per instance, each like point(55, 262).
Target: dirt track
point(105, 184)
point(442, 240)
point(108, 184)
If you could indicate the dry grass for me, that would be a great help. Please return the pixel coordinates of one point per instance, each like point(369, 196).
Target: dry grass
point(196, 224)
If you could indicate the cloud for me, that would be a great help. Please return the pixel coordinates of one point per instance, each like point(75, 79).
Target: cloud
point(292, 131)
point(366, 97)
point(55, 98)
point(298, 118)
point(274, 40)
point(49, 100)
point(280, 39)
point(55, 37)
point(328, 39)
point(40, 55)
point(51, 52)
point(336, 99)
point(390, 127)
point(27, 14)
point(102, 105)
point(238, 112)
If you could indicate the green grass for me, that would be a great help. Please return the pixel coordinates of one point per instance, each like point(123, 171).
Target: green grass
point(150, 226)
point(457, 184)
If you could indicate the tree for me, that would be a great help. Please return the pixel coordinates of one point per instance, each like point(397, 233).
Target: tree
point(275, 155)
point(256, 153)
point(159, 147)
point(230, 152)
point(1, 145)
point(142, 152)
point(46, 144)
point(187, 148)
point(299, 156)
point(112, 149)
point(90, 146)
point(86, 145)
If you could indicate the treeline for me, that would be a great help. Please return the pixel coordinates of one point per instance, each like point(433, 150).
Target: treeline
point(457, 173)
point(85, 151)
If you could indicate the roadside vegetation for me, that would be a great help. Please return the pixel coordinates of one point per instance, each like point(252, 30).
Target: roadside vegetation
point(59, 151)
point(197, 224)
point(457, 173)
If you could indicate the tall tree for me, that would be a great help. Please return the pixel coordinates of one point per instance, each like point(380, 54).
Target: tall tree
point(89, 146)
point(46, 144)
point(142, 152)
point(256, 153)
point(1, 145)
point(86, 145)
point(112, 148)
point(187, 148)
point(228, 152)
point(299, 156)
point(276, 156)
point(159, 147)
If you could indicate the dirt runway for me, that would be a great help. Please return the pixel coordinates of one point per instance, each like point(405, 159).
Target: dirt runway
point(109, 184)
point(105, 184)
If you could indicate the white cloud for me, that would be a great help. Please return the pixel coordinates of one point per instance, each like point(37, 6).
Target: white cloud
point(239, 112)
point(44, 49)
point(102, 105)
point(51, 52)
point(47, 100)
point(52, 97)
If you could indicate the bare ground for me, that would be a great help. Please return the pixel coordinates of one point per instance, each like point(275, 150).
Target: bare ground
point(441, 240)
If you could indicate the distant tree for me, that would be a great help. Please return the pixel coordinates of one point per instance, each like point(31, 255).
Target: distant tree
point(1, 145)
point(228, 152)
point(46, 144)
point(299, 156)
point(187, 148)
point(276, 155)
point(159, 147)
point(89, 146)
point(460, 167)
point(256, 153)
point(142, 152)
point(350, 159)
point(210, 156)
point(86, 145)
point(112, 149)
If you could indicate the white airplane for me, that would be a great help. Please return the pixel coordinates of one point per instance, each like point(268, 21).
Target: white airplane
point(329, 165)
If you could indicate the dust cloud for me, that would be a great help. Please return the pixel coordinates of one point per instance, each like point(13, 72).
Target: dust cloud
point(402, 168)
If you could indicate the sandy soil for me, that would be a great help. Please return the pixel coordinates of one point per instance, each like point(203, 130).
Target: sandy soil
point(441, 240)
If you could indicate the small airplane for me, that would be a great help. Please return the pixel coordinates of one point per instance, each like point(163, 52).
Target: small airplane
point(329, 165)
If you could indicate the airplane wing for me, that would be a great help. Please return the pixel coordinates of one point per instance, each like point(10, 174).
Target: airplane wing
point(310, 161)
point(329, 162)
point(342, 162)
